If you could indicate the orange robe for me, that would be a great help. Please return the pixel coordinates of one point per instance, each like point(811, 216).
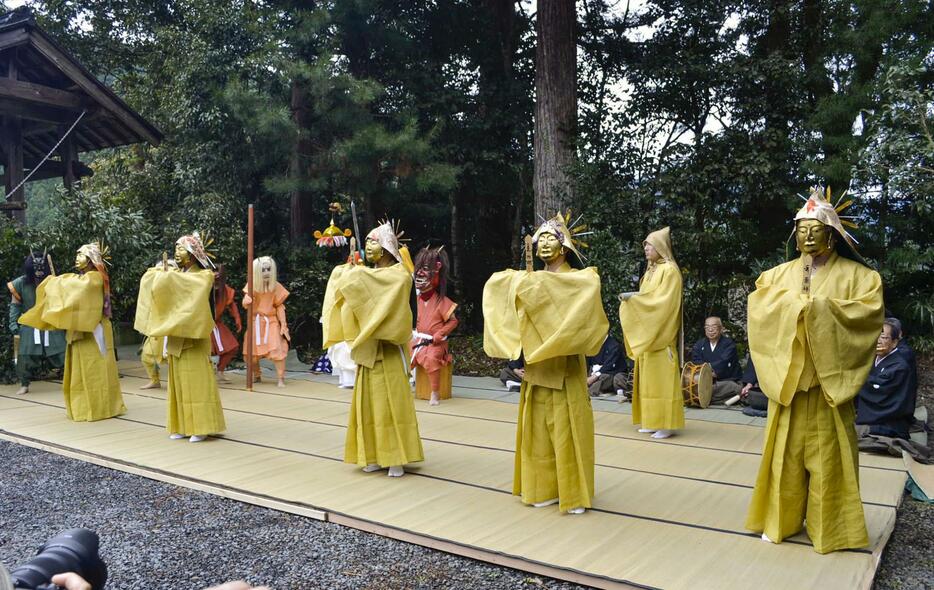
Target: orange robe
point(223, 343)
point(269, 307)
point(436, 318)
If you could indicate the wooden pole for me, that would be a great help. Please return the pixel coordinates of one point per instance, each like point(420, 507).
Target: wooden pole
point(249, 289)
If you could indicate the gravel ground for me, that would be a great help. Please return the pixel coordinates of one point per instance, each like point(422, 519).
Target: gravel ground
point(156, 536)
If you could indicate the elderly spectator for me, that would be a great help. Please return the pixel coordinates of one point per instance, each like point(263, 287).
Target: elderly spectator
point(907, 353)
point(607, 369)
point(513, 374)
point(720, 352)
point(886, 402)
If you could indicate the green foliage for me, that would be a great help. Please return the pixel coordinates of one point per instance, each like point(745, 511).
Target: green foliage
point(706, 116)
point(81, 217)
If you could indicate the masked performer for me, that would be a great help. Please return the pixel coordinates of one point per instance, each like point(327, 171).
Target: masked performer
point(813, 325)
point(80, 304)
point(651, 319)
point(223, 343)
point(435, 321)
point(176, 305)
point(34, 345)
point(554, 317)
point(369, 309)
point(153, 351)
point(270, 330)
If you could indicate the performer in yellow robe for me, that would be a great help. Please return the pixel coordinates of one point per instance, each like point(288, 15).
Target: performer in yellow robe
point(369, 309)
point(153, 352)
point(813, 325)
point(651, 319)
point(176, 305)
point(80, 304)
point(554, 317)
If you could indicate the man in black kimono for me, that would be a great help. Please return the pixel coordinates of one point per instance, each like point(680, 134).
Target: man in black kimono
point(886, 402)
point(608, 369)
point(720, 352)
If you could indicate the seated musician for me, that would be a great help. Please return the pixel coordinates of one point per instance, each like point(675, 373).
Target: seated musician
point(886, 402)
point(607, 369)
point(720, 352)
point(751, 395)
point(513, 374)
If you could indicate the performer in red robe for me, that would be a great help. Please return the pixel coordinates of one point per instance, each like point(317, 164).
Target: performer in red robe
point(224, 344)
point(435, 322)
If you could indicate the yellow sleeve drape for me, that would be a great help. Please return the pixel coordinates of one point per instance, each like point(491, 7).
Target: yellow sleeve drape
point(543, 314)
point(68, 302)
point(176, 304)
point(500, 315)
point(369, 305)
point(839, 331)
point(652, 318)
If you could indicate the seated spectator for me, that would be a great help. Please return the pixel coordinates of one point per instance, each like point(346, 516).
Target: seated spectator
point(720, 352)
point(607, 370)
point(751, 395)
point(907, 353)
point(513, 374)
point(886, 402)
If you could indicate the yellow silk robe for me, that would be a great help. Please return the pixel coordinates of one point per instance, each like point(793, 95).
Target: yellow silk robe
point(151, 357)
point(555, 318)
point(651, 321)
point(176, 304)
point(812, 353)
point(75, 303)
point(369, 309)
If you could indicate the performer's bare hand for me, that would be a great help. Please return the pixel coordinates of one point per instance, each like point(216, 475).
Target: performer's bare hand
point(70, 581)
point(247, 300)
point(285, 333)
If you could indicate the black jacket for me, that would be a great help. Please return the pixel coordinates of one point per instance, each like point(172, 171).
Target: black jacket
point(886, 402)
point(723, 360)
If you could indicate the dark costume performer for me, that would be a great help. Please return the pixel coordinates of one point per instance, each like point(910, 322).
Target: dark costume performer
point(886, 402)
point(435, 321)
point(34, 345)
point(224, 344)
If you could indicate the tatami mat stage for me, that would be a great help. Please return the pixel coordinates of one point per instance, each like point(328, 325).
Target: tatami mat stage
point(668, 514)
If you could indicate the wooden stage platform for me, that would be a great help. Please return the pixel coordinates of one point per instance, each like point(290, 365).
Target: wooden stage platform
point(667, 514)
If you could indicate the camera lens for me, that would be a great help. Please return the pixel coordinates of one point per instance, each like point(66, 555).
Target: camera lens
point(74, 550)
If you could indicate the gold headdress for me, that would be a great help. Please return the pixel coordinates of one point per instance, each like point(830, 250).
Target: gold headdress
point(388, 235)
point(199, 249)
point(566, 232)
point(818, 206)
point(333, 236)
point(99, 255)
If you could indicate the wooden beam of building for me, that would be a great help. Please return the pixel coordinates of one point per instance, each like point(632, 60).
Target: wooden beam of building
point(13, 39)
point(93, 89)
point(37, 94)
point(36, 112)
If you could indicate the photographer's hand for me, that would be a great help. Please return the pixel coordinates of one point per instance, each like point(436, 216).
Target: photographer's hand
point(70, 581)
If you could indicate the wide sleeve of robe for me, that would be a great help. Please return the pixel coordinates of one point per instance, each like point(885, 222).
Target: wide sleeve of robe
point(500, 315)
point(370, 305)
point(67, 302)
point(651, 319)
point(839, 322)
point(560, 314)
point(176, 304)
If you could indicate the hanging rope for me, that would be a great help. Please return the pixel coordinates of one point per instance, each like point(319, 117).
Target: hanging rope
point(52, 151)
